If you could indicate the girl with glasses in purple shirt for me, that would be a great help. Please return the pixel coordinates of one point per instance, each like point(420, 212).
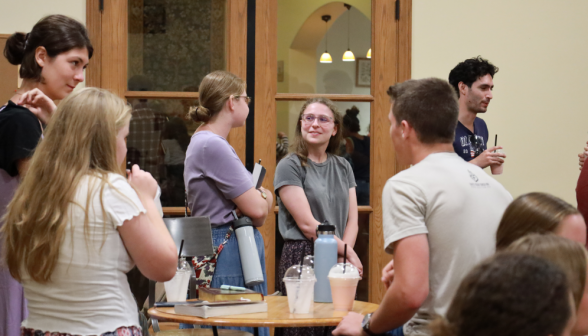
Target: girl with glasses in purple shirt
point(217, 183)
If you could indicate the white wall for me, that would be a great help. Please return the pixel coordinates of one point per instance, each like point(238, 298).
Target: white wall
point(539, 110)
point(21, 15)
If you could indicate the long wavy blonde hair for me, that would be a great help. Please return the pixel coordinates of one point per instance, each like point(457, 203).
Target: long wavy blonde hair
point(79, 140)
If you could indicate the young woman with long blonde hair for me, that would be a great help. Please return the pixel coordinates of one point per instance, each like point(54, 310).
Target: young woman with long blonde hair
point(76, 226)
point(52, 58)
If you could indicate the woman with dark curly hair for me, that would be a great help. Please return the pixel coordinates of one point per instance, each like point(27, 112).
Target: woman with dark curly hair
point(357, 147)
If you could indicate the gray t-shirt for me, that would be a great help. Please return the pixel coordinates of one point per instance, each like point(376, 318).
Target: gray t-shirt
point(326, 186)
point(214, 175)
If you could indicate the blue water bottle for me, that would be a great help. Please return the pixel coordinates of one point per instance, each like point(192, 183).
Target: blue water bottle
point(325, 257)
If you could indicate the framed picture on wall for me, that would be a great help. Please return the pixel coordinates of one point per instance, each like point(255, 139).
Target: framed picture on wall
point(363, 72)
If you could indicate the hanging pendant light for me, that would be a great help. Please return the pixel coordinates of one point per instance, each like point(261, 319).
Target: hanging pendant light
point(369, 54)
point(326, 57)
point(348, 55)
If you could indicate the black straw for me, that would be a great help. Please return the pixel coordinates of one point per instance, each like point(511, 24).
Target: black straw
point(344, 257)
point(301, 261)
point(181, 247)
point(495, 139)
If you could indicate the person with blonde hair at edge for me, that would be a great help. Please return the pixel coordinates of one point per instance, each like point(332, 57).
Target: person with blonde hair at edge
point(52, 59)
point(76, 225)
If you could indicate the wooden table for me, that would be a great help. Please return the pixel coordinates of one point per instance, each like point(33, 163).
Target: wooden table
point(277, 315)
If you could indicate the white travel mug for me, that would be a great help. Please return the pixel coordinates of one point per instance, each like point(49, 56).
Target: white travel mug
point(250, 263)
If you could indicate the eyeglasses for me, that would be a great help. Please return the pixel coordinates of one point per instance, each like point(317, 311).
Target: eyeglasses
point(310, 118)
point(247, 98)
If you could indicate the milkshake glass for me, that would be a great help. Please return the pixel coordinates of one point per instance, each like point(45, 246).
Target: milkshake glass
point(497, 169)
point(344, 279)
point(299, 281)
point(176, 290)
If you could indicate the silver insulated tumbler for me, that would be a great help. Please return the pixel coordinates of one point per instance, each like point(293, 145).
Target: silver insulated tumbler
point(248, 250)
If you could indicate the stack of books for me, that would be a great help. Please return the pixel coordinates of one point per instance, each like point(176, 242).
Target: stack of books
point(220, 302)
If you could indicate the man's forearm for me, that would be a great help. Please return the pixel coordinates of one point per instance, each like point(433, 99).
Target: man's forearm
point(394, 311)
point(477, 162)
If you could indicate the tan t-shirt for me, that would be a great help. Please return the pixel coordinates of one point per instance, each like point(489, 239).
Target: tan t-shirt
point(459, 207)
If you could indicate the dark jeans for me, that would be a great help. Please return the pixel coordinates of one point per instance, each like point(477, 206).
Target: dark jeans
point(395, 332)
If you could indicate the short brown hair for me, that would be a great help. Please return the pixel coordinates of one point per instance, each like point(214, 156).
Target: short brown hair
point(509, 294)
point(299, 145)
point(215, 89)
point(569, 255)
point(429, 106)
point(531, 213)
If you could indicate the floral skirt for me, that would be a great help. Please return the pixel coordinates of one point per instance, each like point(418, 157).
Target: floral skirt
point(122, 331)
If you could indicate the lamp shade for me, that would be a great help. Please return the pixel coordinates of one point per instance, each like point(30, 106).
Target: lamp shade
point(326, 58)
point(369, 54)
point(348, 56)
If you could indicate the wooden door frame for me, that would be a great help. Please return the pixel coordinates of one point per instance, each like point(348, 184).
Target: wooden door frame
point(391, 50)
point(108, 30)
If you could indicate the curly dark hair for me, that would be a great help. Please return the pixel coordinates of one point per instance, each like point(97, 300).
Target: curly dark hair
point(510, 294)
point(469, 71)
point(350, 120)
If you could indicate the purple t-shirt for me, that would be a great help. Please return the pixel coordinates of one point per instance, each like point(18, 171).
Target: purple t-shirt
point(214, 175)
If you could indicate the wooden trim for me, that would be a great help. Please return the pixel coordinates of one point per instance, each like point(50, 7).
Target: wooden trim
point(362, 209)
point(405, 41)
point(10, 76)
point(114, 60)
point(180, 211)
point(404, 51)
point(94, 27)
point(237, 61)
point(384, 74)
point(161, 95)
point(175, 211)
point(333, 97)
point(266, 68)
